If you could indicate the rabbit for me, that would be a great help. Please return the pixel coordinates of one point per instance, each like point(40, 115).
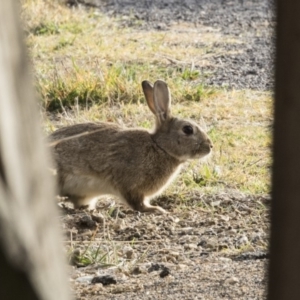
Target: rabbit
point(94, 159)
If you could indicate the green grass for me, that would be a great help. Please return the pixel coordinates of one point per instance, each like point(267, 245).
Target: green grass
point(119, 83)
point(96, 253)
point(86, 61)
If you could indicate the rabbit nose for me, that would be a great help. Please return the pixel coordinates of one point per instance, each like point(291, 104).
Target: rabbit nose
point(210, 143)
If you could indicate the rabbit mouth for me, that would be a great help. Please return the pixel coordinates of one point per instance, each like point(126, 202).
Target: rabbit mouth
point(203, 149)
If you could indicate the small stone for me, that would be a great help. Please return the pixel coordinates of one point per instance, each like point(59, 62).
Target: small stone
point(105, 280)
point(233, 280)
point(243, 240)
point(86, 221)
point(171, 258)
point(164, 259)
point(118, 225)
point(202, 243)
point(187, 230)
point(136, 271)
point(154, 267)
point(225, 218)
point(97, 217)
point(211, 244)
point(165, 272)
point(225, 259)
point(128, 252)
point(190, 246)
point(84, 279)
point(181, 267)
point(174, 253)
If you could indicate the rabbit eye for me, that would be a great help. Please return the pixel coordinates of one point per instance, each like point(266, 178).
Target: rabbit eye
point(188, 130)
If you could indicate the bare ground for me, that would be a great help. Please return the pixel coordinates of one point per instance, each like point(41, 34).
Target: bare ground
point(210, 247)
point(213, 247)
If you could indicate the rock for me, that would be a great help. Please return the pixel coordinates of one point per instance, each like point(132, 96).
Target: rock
point(136, 271)
point(118, 225)
point(105, 280)
point(181, 267)
point(225, 259)
point(128, 252)
point(187, 230)
point(232, 280)
point(243, 240)
point(155, 267)
point(97, 217)
point(174, 253)
point(165, 272)
point(87, 222)
point(190, 246)
point(225, 218)
point(85, 279)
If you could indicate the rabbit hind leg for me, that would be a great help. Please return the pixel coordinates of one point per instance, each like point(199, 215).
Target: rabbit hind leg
point(139, 203)
point(153, 209)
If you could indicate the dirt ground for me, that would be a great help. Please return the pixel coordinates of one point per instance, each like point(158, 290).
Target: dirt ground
point(187, 254)
point(213, 247)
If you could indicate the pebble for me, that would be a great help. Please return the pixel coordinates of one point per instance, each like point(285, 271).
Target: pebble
point(85, 279)
point(190, 246)
point(86, 221)
point(232, 280)
point(128, 252)
point(97, 217)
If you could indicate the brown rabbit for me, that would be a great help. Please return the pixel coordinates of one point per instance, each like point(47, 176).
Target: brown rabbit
point(95, 159)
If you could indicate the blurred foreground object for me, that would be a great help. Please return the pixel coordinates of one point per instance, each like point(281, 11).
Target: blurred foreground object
point(31, 258)
point(284, 271)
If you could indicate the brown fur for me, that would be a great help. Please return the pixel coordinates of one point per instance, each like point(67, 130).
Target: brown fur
point(132, 164)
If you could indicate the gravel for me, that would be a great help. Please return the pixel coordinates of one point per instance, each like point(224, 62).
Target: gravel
point(199, 251)
point(251, 22)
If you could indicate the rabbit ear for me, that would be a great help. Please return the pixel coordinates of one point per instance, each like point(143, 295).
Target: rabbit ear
point(162, 100)
point(148, 92)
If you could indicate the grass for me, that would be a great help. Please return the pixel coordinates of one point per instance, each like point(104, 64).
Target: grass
point(84, 55)
point(86, 61)
point(106, 254)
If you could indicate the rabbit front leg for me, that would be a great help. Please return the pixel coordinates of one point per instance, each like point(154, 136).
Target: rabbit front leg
point(138, 202)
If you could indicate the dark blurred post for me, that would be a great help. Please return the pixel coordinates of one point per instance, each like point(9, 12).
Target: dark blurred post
point(284, 271)
point(31, 259)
